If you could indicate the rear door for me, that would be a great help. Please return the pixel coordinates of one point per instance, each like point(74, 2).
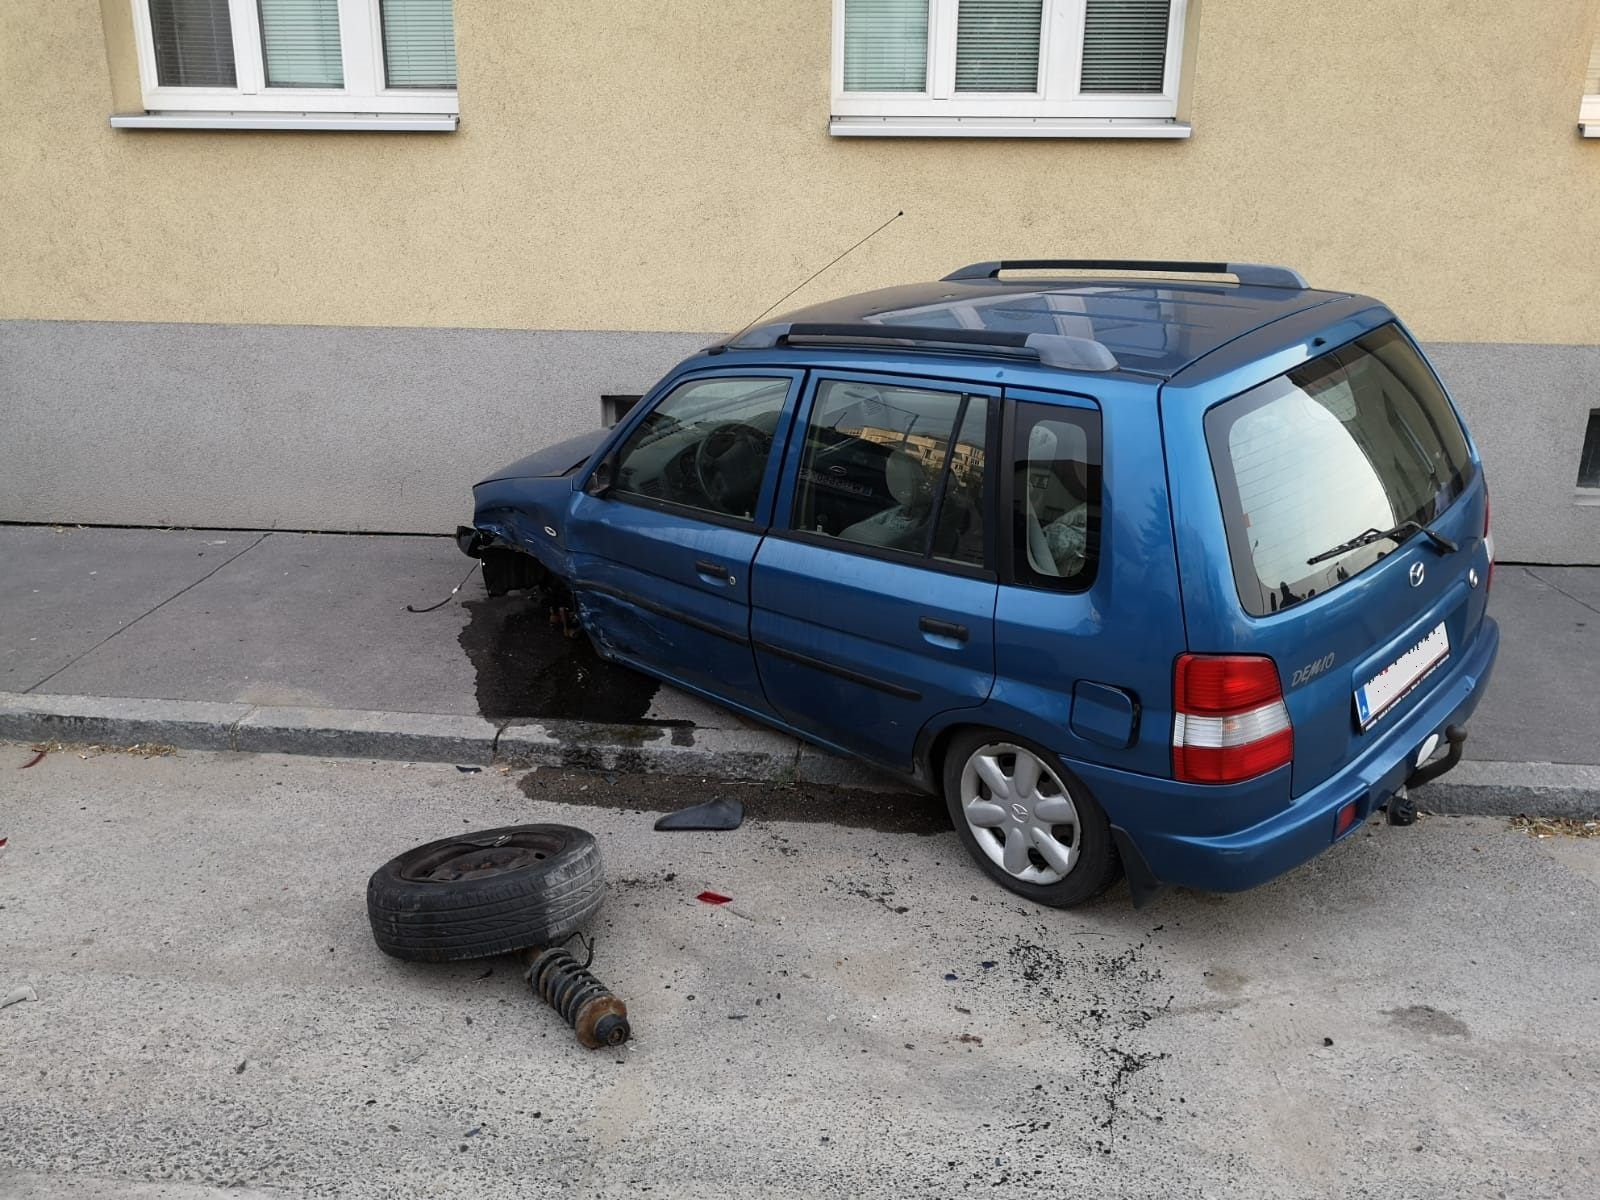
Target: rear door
point(661, 561)
point(1358, 440)
point(874, 609)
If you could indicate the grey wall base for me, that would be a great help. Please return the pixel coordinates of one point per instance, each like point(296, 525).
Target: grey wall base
point(311, 427)
point(292, 427)
point(1528, 407)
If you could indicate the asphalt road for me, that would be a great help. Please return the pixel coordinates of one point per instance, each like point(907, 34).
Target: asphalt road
point(1410, 1016)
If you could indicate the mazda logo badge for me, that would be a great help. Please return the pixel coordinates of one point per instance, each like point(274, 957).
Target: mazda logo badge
point(1417, 572)
point(1019, 811)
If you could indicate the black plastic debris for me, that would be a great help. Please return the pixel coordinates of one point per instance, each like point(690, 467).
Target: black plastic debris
point(713, 815)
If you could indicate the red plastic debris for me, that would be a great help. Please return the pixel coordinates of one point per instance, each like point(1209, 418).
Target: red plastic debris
point(713, 898)
point(37, 758)
point(3, 842)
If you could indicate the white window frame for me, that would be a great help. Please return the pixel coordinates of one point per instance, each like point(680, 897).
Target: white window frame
point(365, 98)
point(1058, 109)
point(1589, 117)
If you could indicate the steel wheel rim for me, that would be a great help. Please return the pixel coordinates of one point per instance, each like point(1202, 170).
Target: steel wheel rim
point(479, 858)
point(1020, 813)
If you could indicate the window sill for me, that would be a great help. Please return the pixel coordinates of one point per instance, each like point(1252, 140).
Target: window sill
point(1006, 127)
point(298, 122)
point(1589, 117)
point(1586, 497)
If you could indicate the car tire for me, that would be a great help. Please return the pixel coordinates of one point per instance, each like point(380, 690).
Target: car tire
point(494, 891)
point(981, 810)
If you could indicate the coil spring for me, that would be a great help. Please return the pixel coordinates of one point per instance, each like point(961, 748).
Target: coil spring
point(586, 1004)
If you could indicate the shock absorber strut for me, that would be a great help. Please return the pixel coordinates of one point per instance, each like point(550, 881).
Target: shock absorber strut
point(586, 1004)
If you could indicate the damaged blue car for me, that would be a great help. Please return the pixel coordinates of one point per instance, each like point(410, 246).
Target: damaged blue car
point(1181, 578)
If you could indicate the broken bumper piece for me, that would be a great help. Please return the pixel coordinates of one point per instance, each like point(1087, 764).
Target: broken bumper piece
point(472, 541)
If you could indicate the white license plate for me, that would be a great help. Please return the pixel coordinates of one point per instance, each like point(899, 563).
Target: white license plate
point(1380, 693)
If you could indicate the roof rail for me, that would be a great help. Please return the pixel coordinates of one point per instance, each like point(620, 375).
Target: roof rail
point(1254, 274)
point(1052, 349)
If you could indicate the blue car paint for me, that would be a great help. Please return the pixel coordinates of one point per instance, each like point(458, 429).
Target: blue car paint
point(559, 459)
point(1165, 586)
point(672, 589)
point(815, 610)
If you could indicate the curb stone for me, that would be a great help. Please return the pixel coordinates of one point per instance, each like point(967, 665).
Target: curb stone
point(1494, 789)
point(357, 733)
point(191, 724)
point(1473, 788)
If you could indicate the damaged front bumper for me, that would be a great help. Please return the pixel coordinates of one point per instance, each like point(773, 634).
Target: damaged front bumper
point(473, 542)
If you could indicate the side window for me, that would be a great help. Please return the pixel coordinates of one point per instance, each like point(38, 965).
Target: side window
point(1056, 496)
point(705, 445)
point(895, 468)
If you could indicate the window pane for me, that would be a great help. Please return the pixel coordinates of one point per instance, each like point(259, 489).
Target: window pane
point(1360, 438)
point(300, 43)
point(1056, 524)
point(705, 446)
point(885, 45)
point(874, 458)
point(1125, 45)
point(997, 45)
point(193, 43)
point(1589, 463)
point(419, 43)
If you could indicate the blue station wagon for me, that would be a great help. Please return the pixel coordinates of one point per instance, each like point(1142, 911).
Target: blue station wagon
point(1176, 577)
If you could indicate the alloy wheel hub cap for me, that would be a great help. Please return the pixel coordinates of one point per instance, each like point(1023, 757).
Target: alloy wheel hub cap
point(1020, 813)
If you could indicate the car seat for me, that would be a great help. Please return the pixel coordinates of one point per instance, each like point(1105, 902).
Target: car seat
point(1041, 458)
point(905, 525)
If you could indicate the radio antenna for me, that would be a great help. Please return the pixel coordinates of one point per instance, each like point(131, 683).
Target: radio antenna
point(813, 275)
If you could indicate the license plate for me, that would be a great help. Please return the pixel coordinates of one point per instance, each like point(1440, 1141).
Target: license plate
point(1385, 689)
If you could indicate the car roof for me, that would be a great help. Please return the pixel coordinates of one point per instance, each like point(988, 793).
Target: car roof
point(1153, 327)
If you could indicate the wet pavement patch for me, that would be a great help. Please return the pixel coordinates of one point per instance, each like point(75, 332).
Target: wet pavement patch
point(528, 669)
point(889, 812)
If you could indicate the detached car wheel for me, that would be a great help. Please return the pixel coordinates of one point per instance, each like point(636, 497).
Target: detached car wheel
point(1026, 825)
point(494, 891)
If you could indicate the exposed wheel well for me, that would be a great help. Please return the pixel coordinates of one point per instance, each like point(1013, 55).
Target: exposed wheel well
point(930, 763)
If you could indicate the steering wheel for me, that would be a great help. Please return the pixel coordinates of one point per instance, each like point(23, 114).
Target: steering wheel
point(728, 464)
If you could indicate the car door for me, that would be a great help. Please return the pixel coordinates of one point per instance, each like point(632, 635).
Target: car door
point(661, 555)
point(1088, 621)
point(872, 602)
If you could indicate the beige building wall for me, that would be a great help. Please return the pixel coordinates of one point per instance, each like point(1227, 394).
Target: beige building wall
point(657, 167)
point(664, 169)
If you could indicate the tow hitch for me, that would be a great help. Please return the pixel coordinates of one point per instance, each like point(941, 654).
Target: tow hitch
point(1402, 809)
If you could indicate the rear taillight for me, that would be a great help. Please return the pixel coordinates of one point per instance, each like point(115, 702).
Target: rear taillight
point(1488, 542)
point(1230, 722)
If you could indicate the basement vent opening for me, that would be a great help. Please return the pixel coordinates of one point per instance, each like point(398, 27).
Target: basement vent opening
point(1589, 464)
point(614, 408)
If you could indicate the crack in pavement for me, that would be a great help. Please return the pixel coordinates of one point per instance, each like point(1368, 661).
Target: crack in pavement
point(124, 628)
point(1557, 587)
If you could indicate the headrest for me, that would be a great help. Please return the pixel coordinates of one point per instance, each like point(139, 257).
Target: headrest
point(908, 482)
point(1041, 444)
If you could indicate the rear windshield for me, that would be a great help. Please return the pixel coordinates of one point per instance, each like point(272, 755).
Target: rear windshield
point(1361, 438)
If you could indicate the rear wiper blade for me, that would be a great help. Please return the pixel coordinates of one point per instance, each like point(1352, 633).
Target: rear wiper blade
point(1368, 536)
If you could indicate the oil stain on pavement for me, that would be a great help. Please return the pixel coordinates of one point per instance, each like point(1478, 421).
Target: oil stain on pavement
point(887, 811)
point(527, 668)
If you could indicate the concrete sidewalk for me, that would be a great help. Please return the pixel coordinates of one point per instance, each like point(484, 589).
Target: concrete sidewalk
point(301, 643)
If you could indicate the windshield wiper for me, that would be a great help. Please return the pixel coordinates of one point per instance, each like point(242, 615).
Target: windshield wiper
point(1368, 536)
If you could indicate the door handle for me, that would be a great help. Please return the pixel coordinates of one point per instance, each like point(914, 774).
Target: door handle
point(713, 572)
point(939, 628)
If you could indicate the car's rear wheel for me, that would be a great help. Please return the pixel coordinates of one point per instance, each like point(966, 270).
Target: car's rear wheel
point(1027, 823)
